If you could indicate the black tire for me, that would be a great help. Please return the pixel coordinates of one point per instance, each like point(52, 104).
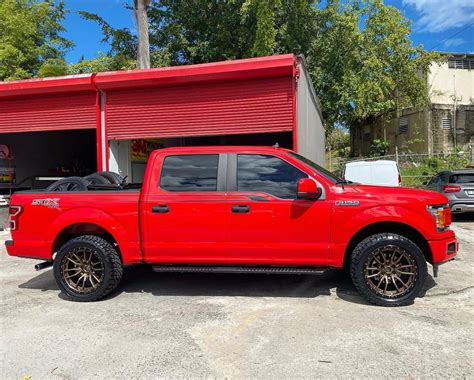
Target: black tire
point(96, 179)
point(372, 269)
point(112, 177)
point(69, 184)
point(103, 254)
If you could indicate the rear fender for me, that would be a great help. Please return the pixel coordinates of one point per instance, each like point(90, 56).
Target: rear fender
point(129, 250)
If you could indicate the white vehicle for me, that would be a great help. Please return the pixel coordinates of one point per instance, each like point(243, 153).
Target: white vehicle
point(380, 173)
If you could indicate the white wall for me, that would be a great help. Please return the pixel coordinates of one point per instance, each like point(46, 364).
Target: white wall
point(119, 157)
point(311, 135)
point(442, 80)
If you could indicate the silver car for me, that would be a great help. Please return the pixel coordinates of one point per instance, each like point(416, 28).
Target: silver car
point(458, 186)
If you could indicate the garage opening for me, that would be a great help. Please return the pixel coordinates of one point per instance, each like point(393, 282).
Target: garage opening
point(129, 157)
point(37, 159)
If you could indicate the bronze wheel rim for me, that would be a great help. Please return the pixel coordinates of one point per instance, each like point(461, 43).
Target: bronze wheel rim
point(390, 271)
point(82, 270)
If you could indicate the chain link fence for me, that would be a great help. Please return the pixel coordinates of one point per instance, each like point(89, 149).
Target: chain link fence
point(415, 168)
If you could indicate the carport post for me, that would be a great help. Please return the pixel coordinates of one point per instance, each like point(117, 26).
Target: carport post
point(101, 133)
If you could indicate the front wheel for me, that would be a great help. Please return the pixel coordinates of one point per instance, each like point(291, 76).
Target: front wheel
point(87, 268)
point(388, 269)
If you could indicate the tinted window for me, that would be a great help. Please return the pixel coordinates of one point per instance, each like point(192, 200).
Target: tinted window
point(326, 173)
point(267, 174)
point(190, 173)
point(462, 178)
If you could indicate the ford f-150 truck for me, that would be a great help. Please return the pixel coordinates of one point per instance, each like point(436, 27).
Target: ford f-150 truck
point(236, 210)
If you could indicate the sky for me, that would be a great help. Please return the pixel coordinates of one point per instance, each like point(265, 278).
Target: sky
point(441, 25)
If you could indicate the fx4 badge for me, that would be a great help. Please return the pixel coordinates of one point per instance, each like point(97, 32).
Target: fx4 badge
point(347, 203)
point(48, 202)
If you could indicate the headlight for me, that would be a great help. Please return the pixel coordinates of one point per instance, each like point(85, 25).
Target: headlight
point(442, 216)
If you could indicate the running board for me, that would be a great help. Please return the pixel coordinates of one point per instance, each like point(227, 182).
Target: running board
point(240, 269)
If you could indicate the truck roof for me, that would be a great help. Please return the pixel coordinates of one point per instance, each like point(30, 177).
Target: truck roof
point(223, 148)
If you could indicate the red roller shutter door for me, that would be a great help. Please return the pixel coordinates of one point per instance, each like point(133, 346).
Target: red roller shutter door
point(48, 113)
point(256, 106)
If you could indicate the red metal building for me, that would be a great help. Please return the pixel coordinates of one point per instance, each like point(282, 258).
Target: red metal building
point(257, 101)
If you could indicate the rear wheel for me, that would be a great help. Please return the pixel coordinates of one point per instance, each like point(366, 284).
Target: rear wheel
point(87, 268)
point(388, 269)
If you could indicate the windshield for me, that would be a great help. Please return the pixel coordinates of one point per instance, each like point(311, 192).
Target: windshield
point(326, 173)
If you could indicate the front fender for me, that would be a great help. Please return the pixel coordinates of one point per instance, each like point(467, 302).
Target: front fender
point(348, 223)
point(397, 214)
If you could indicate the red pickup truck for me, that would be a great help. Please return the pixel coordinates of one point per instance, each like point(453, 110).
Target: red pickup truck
point(237, 210)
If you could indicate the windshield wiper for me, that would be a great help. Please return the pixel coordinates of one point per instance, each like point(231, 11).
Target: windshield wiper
point(343, 182)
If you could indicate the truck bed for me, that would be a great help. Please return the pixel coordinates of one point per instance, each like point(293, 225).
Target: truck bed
point(46, 214)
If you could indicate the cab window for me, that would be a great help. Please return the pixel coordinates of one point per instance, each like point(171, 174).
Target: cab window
point(267, 174)
point(194, 172)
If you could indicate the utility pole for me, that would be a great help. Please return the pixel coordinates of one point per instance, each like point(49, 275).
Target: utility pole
point(143, 58)
point(456, 99)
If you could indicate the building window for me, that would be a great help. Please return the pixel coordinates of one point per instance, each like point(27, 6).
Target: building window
point(446, 123)
point(461, 63)
point(403, 125)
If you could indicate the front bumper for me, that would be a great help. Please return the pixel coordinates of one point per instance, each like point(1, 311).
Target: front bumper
point(444, 250)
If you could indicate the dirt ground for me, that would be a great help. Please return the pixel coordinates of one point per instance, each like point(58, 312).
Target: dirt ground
point(236, 326)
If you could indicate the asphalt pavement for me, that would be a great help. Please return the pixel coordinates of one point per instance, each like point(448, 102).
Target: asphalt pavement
point(236, 326)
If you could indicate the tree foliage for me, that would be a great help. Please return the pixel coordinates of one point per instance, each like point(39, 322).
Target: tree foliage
point(361, 59)
point(30, 37)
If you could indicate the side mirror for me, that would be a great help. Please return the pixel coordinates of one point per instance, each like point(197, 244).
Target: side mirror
point(308, 189)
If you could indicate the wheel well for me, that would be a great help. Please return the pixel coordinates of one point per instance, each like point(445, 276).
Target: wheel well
point(79, 229)
point(389, 227)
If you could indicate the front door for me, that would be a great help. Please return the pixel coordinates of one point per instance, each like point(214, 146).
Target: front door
point(184, 216)
point(267, 223)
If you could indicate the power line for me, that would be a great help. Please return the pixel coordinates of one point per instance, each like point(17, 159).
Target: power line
point(453, 35)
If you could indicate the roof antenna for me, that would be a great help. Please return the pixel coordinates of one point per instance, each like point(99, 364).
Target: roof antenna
point(276, 145)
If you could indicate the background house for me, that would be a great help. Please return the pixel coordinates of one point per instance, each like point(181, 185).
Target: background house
point(446, 122)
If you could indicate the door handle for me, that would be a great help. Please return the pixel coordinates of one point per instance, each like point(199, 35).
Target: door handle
point(160, 209)
point(241, 209)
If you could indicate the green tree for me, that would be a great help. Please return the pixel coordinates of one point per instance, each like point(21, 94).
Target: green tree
point(30, 37)
point(363, 63)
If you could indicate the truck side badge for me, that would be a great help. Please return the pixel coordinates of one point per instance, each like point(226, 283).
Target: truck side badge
point(48, 202)
point(347, 203)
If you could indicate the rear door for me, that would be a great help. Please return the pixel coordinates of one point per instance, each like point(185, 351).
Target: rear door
point(184, 215)
point(267, 223)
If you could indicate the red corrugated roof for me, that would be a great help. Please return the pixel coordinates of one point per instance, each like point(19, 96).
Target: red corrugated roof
point(262, 67)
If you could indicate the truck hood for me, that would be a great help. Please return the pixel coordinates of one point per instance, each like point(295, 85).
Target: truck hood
point(393, 194)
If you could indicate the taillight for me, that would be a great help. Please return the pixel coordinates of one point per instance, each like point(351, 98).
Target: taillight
point(14, 212)
point(399, 179)
point(451, 189)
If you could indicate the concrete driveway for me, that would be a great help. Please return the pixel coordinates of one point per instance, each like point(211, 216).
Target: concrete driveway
point(237, 326)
